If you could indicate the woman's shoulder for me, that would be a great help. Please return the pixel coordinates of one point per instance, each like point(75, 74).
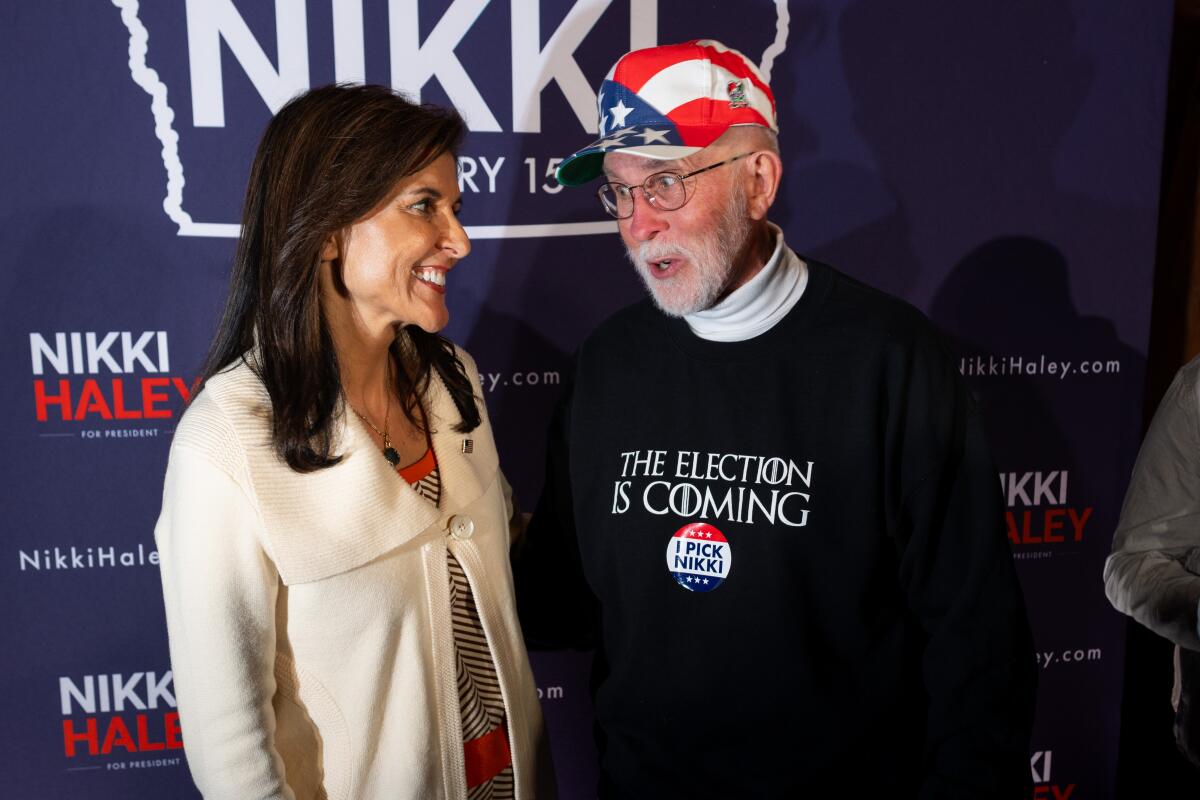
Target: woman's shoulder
point(238, 384)
point(231, 411)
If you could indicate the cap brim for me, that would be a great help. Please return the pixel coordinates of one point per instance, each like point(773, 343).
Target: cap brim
point(588, 163)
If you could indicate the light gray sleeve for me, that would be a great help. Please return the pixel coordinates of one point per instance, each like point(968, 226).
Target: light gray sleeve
point(1153, 574)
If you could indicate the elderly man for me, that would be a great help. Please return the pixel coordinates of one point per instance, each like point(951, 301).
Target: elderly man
point(768, 504)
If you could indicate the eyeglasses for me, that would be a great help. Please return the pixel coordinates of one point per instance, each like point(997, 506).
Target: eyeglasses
point(666, 191)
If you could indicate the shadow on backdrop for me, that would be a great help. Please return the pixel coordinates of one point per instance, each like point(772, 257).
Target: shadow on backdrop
point(1008, 303)
point(965, 107)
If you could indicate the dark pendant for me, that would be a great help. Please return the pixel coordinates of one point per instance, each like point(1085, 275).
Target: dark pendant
point(392, 456)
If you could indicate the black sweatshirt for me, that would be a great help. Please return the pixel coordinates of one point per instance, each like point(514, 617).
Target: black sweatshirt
point(789, 555)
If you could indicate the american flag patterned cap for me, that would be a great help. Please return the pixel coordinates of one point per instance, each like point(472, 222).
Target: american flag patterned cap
point(671, 101)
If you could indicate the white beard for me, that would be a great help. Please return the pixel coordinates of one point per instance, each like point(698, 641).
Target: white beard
point(710, 262)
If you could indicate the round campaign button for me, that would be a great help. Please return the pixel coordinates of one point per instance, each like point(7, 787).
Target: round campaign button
point(698, 556)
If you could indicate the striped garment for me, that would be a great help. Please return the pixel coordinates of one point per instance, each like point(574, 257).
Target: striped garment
point(485, 744)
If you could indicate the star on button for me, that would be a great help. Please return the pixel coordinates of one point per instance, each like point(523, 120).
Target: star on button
point(650, 135)
point(619, 112)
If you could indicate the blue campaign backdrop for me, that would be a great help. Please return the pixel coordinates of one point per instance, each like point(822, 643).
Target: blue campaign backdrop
point(996, 164)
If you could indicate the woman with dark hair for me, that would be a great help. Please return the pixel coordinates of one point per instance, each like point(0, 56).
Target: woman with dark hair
point(335, 528)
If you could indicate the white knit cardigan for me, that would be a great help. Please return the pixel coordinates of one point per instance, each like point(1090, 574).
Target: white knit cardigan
point(309, 616)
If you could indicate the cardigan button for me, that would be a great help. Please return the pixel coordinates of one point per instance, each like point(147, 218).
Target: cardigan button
point(461, 527)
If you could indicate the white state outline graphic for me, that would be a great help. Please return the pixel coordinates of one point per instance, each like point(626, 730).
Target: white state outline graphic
point(164, 115)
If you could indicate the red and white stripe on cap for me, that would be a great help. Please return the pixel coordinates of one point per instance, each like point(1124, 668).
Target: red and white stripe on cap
point(669, 102)
point(689, 83)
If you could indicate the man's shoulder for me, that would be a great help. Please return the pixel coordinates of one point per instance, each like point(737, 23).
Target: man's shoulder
point(625, 326)
point(864, 311)
point(1182, 398)
point(856, 299)
point(1189, 374)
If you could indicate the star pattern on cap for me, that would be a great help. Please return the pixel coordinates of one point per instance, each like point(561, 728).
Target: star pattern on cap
point(600, 110)
point(615, 139)
point(650, 135)
point(619, 112)
point(608, 144)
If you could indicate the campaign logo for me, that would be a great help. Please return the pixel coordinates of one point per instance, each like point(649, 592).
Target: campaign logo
point(1044, 788)
point(97, 380)
point(1040, 519)
point(72, 557)
point(523, 74)
point(124, 721)
point(699, 557)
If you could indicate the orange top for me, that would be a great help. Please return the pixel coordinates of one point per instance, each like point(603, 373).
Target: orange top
point(419, 468)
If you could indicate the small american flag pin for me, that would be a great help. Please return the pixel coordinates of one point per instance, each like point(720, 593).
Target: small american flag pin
point(468, 446)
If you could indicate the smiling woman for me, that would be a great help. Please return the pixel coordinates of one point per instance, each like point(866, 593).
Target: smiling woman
point(394, 261)
point(334, 550)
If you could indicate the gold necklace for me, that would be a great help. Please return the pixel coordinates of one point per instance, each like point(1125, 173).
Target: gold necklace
point(389, 452)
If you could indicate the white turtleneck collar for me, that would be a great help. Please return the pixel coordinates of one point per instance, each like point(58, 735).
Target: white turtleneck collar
point(753, 308)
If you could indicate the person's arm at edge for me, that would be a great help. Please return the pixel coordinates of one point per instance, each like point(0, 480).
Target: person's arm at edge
point(1151, 573)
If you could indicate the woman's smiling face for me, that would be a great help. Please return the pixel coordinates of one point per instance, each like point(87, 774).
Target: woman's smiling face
point(395, 260)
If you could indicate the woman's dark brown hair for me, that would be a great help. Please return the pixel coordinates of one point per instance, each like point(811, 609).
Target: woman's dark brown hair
point(327, 159)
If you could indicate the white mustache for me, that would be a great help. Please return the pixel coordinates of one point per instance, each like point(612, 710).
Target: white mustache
point(653, 252)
